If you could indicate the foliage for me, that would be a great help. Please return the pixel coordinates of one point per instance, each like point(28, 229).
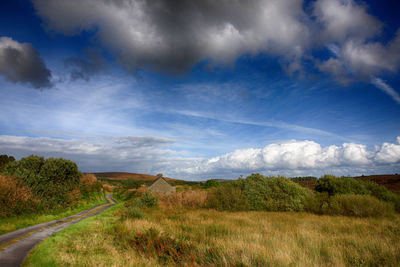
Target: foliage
point(15, 198)
point(211, 183)
point(257, 192)
point(357, 206)
point(146, 200)
point(54, 183)
point(345, 185)
point(4, 160)
point(228, 197)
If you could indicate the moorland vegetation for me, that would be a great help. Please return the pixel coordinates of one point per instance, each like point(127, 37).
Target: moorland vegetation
point(34, 185)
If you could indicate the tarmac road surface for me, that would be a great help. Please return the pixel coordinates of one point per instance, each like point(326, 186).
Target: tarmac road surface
point(15, 246)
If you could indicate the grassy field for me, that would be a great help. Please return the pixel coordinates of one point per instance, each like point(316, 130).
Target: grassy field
point(14, 223)
point(210, 238)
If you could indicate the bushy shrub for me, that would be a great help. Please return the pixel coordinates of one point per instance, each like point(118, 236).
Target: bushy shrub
point(15, 198)
point(4, 160)
point(146, 200)
point(357, 206)
point(51, 180)
point(211, 183)
point(273, 194)
point(345, 185)
point(228, 197)
point(316, 202)
point(257, 192)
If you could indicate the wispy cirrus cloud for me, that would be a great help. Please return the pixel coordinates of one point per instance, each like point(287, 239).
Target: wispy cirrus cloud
point(382, 85)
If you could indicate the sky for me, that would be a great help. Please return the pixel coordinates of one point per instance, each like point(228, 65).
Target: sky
point(203, 89)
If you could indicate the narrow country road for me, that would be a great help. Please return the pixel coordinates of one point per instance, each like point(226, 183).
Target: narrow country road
point(15, 246)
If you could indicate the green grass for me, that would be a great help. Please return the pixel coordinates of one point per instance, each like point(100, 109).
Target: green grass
point(14, 223)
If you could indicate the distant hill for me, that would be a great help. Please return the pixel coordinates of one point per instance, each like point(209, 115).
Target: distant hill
point(390, 181)
point(127, 175)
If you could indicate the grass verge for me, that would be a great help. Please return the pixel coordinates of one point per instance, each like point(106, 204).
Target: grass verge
point(14, 223)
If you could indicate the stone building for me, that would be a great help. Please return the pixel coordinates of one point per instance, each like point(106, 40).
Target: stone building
point(160, 185)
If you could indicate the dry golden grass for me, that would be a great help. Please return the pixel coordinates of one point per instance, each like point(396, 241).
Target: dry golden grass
point(229, 239)
point(189, 199)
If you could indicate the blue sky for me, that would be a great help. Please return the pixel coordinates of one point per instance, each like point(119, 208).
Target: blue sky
point(200, 90)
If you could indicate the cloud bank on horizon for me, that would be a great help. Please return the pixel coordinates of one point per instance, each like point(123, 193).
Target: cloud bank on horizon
point(151, 154)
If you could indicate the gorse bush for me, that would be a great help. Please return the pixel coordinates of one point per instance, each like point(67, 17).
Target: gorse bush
point(211, 183)
point(146, 200)
point(4, 160)
point(51, 180)
point(228, 197)
point(345, 185)
point(15, 198)
point(357, 206)
point(259, 193)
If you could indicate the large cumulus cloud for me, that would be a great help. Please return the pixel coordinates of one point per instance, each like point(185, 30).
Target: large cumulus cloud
point(306, 156)
point(20, 62)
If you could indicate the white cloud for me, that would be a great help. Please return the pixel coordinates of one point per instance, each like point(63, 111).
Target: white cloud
point(344, 19)
point(298, 156)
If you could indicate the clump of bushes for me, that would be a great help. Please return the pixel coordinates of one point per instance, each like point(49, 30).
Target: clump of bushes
point(347, 205)
point(51, 180)
point(39, 184)
point(358, 206)
point(344, 185)
point(15, 198)
point(146, 200)
point(4, 160)
point(211, 183)
point(259, 193)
